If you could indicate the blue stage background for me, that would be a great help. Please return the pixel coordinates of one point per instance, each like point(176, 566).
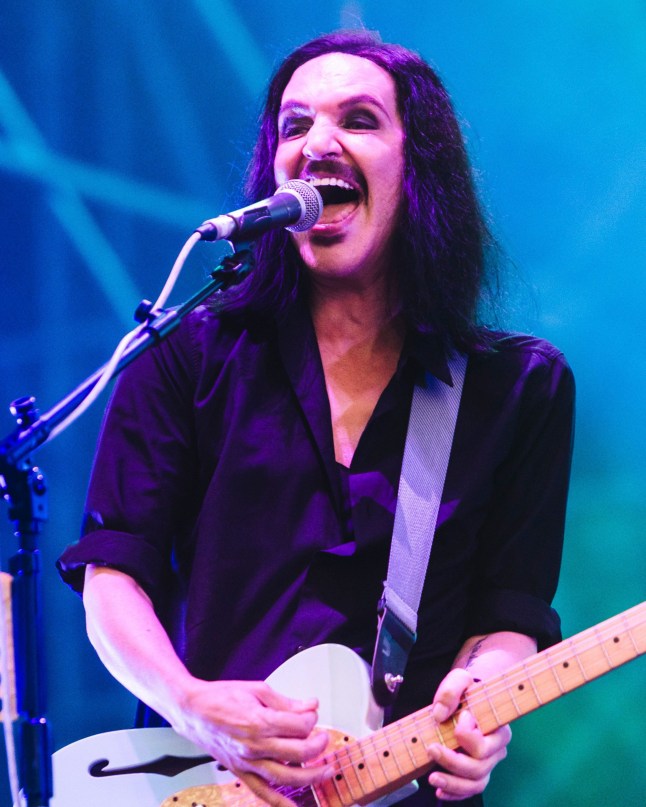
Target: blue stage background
point(123, 125)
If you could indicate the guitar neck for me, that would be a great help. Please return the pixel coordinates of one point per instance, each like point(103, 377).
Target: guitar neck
point(381, 762)
point(558, 670)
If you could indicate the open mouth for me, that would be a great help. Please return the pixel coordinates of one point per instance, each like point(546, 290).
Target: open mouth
point(340, 198)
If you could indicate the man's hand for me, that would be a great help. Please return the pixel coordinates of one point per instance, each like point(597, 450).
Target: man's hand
point(259, 735)
point(466, 772)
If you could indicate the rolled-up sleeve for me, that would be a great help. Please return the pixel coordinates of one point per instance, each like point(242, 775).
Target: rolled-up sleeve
point(142, 484)
point(521, 539)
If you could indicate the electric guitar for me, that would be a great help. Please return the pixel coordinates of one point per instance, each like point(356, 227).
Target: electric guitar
point(158, 768)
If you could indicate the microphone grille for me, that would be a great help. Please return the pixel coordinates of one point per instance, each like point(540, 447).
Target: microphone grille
point(311, 203)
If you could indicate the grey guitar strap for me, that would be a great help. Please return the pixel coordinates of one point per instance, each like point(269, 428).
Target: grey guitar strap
point(434, 412)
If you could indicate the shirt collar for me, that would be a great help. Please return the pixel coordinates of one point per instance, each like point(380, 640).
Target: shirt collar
point(427, 351)
point(422, 348)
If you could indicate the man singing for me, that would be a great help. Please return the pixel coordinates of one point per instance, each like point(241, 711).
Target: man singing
point(243, 495)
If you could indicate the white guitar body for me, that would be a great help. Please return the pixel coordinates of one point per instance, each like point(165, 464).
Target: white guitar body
point(332, 673)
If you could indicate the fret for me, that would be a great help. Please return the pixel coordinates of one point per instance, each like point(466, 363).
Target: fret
point(404, 740)
point(415, 718)
point(553, 669)
point(389, 764)
point(603, 648)
point(334, 791)
point(546, 681)
point(493, 704)
point(424, 723)
point(440, 728)
point(429, 730)
point(508, 699)
point(362, 768)
point(594, 660)
point(630, 634)
point(501, 704)
point(533, 685)
point(377, 756)
point(416, 745)
point(620, 648)
point(306, 798)
point(512, 697)
point(389, 754)
point(367, 770)
point(578, 661)
point(570, 676)
point(349, 773)
point(327, 794)
point(341, 788)
point(395, 750)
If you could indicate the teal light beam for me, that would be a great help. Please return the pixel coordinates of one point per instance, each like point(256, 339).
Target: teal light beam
point(25, 141)
point(237, 44)
point(25, 152)
point(160, 71)
point(30, 158)
point(14, 117)
point(98, 253)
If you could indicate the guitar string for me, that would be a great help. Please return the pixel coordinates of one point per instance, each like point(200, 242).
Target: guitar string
point(565, 652)
point(556, 656)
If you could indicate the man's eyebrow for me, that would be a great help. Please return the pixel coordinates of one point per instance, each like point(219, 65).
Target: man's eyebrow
point(294, 106)
point(363, 98)
point(355, 100)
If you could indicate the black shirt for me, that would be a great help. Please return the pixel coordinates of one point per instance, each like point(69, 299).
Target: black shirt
point(216, 487)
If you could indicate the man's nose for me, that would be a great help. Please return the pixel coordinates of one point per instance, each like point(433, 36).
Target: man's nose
point(321, 142)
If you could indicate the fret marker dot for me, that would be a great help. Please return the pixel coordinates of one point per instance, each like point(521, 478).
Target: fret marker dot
point(521, 687)
point(338, 777)
point(616, 639)
point(414, 740)
point(386, 753)
point(566, 664)
point(361, 766)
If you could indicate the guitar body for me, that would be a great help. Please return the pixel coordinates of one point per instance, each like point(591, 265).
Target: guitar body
point(75, 785)
point(101, 771)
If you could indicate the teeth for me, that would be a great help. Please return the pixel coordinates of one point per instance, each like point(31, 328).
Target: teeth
point(341, 183)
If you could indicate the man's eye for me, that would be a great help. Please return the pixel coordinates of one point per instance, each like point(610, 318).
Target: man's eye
point(293, 128)
point(362, 121)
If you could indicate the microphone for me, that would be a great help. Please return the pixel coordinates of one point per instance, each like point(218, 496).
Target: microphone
point(296, 205)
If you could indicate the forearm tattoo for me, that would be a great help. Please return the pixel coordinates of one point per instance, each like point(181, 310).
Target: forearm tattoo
point(474, 652)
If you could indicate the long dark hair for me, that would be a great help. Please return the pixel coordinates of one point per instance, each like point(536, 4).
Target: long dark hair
point(442, 240)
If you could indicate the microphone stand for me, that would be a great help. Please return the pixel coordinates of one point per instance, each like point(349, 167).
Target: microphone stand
point(24, 487)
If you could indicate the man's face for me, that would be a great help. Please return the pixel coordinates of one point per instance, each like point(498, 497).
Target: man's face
point(339, 127)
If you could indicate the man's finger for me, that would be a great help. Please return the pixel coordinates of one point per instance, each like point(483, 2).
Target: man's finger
point(296, 751)
point(449, 693)
point(264, 790)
